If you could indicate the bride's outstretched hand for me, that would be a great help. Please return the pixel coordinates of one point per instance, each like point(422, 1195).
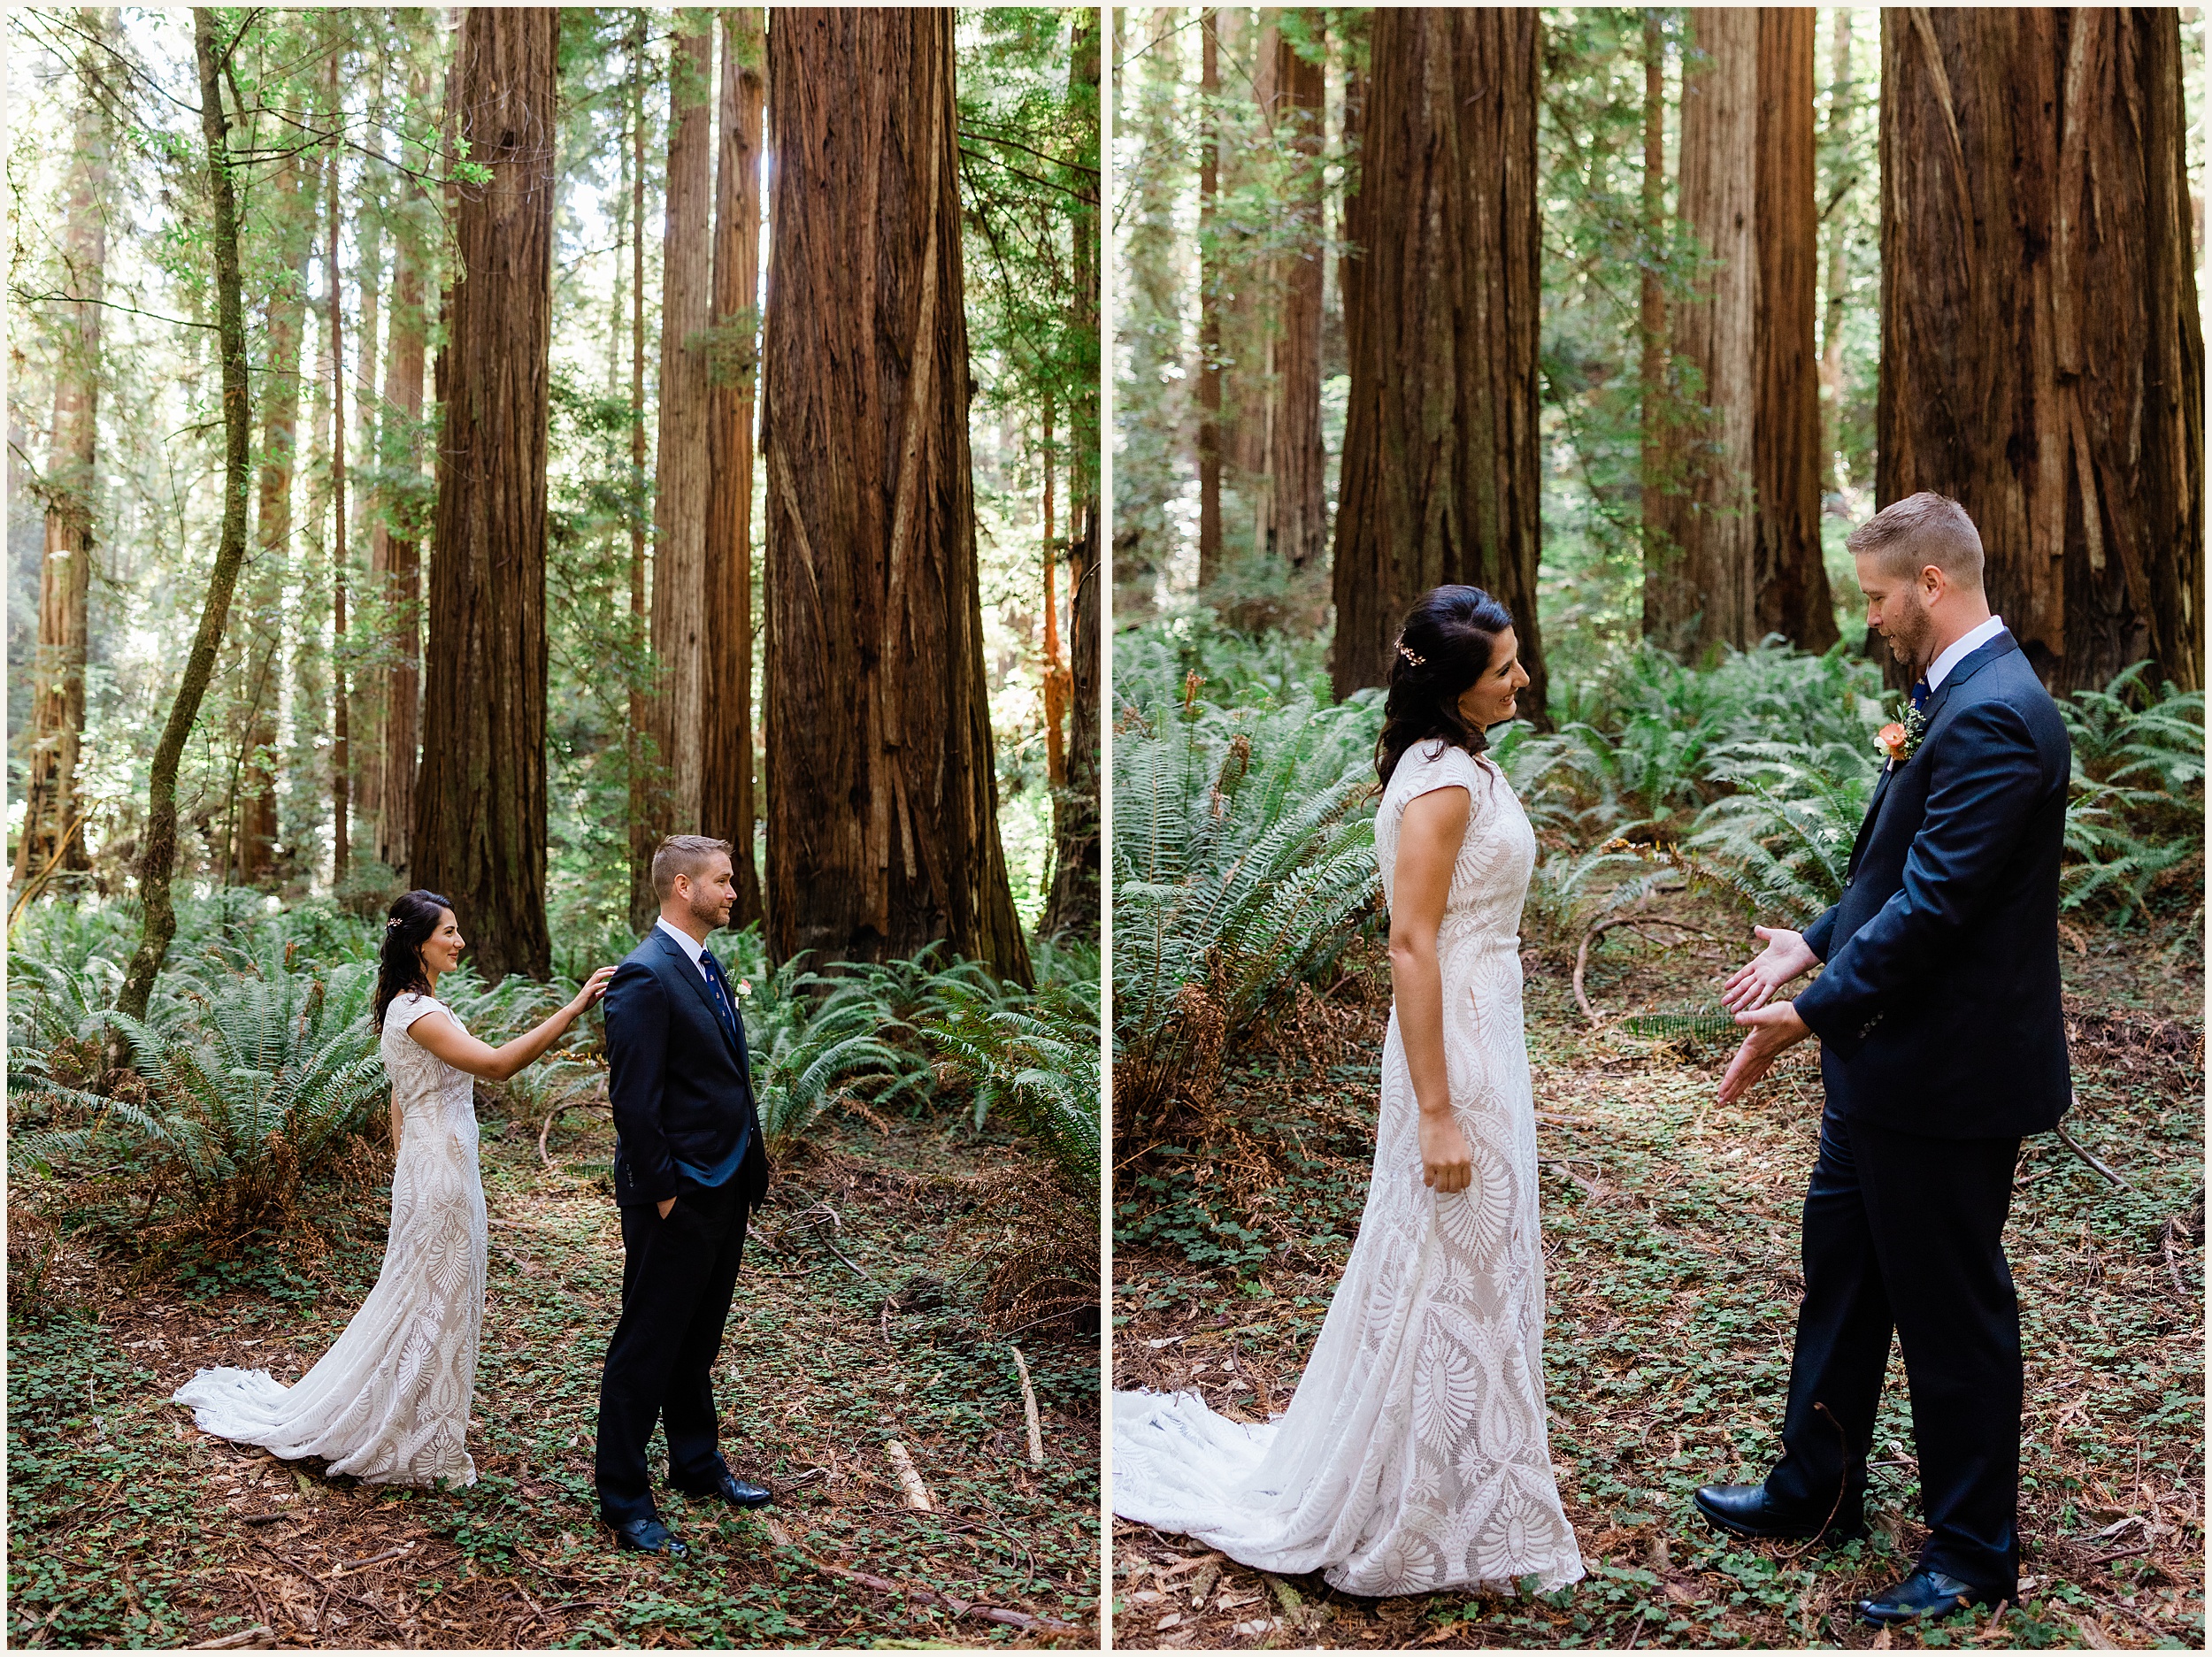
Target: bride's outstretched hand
point(1787, 956)
point(1447, 1166)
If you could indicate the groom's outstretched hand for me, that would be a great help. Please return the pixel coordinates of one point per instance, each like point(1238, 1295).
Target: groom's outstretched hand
point(1771, 1029)
point(1787, 956)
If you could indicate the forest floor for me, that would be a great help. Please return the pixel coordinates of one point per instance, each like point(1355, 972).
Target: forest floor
point(128, 1527)
point(1671, 1233)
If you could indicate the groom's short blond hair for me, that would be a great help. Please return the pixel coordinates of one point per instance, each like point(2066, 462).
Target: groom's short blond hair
point(1907, 535)
point(686, 855)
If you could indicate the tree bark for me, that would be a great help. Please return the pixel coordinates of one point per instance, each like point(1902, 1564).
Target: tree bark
point(678, 721)
point(480, 803)
point(2042, 355)
point(261, 659)
point(1441, 455)
point(882, 800)
point(1072, 904)
point(53, 816)
point(1655, 458)
point(1842, 99)
point(1744, 525)
point(157, 863)
point(395, 557)
point(643, 904)
point(726, 808)
point(1210, 300)
point(1295, 526)
point(341, 745)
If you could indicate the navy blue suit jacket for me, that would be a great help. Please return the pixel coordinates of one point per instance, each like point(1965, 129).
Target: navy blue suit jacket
point(681, 1090)
point(1938, 1010)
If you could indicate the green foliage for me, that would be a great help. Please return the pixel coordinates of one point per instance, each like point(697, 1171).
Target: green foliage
point(1243, 859)
point(2135, 825)
point(1037, 1067)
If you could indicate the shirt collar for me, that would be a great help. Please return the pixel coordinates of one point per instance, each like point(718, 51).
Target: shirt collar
point(693, 949)
point(1941, 668)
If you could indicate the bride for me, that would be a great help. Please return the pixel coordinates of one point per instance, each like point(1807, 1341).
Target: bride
point(388, 1403)
point(1413, 1456)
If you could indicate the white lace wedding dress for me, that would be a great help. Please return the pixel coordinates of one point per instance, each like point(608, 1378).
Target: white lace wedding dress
point(1413, 1456)
point(389, 1402)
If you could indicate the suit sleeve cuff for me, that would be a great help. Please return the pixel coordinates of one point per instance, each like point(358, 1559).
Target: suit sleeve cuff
point(1832, 1024)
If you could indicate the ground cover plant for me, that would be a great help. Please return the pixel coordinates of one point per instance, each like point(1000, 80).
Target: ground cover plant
point(910, 1280)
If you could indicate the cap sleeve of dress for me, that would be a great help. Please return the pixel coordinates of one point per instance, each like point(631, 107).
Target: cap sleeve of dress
point(406, 1008)
point(1445, 767)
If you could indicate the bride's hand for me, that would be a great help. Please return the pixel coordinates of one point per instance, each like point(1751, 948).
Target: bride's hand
point(595, 986)
point(1446, 1167)
point(1787, 956)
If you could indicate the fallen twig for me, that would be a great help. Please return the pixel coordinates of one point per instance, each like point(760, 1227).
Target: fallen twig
point(545, 1128)
point(2074, 1146)
point(1025, 1620)
point(234, 1638)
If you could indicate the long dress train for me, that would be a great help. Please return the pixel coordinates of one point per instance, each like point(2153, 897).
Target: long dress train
point(1413, 1456)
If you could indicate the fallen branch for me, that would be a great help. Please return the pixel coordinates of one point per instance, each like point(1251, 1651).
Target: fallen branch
point(233, 1639)
point(909, 1477)
point(1025, 1620)
point(2074, 1146)
point(1582, 955)
point(545, 1128)
point(1029, 1408)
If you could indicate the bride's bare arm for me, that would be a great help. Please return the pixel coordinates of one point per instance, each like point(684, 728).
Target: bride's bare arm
point(464, 1052)
point(1429, 837)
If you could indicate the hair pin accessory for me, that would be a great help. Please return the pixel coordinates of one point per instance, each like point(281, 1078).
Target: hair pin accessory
point(1417, 661)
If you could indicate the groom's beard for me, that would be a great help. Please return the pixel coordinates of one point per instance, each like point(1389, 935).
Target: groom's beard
point(1909, 637)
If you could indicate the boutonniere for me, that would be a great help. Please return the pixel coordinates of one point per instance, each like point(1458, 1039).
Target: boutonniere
point(1897, 743)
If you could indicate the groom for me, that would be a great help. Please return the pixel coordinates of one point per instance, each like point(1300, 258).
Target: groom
point(1941, 1045)
point(689, 1167)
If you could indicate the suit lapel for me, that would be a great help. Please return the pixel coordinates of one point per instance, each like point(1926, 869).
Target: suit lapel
point(697, 979)
point(1971, 663)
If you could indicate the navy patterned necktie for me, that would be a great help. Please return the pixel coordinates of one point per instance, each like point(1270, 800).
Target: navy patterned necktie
point(718, 988)
point(1920, 694)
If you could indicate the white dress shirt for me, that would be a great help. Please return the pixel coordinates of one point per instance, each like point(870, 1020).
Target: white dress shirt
point(692, 947)
point(1939, 670)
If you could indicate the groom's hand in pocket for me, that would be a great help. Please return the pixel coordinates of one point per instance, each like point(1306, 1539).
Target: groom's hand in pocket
point(1787, 956)
point(1771, 1030)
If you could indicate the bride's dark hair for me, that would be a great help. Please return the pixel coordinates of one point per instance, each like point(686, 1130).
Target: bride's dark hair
point(413, 917)
point(1449, 636)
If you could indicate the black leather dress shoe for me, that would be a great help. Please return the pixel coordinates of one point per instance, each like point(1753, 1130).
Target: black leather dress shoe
point(1926, 1593)
point(736, 1492)
point(1746, 1510)
point(650, 1535)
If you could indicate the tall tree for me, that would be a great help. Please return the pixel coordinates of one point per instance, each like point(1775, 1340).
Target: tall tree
point(291, 213)
point(882, 803)
point(1743, 529)
point(680, 617)
point(479, 833)
point(158, 861)
point(1071, 905)
point(1209, 298)
point(1654, 381)
point(1295, 523)
point(1842, 101)
point(642, 903)
point(2042, 352)
point(341, 745)
point(1441, 461)
point(726, 780)
point(395, 554)
point(52, 814)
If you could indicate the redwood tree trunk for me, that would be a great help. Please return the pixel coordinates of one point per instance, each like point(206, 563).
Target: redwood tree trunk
point(480, 805)
point(1441, 455)
point(341, 745)
point(1071, 907)
point(261, 662)
point(1744, 528)
point(678, 721)
point(395, 554)
point(51, 825)
point(1296, 525)
point(882, 802)
point(1210, 300)
point(726, 782)
point(2042, 356)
